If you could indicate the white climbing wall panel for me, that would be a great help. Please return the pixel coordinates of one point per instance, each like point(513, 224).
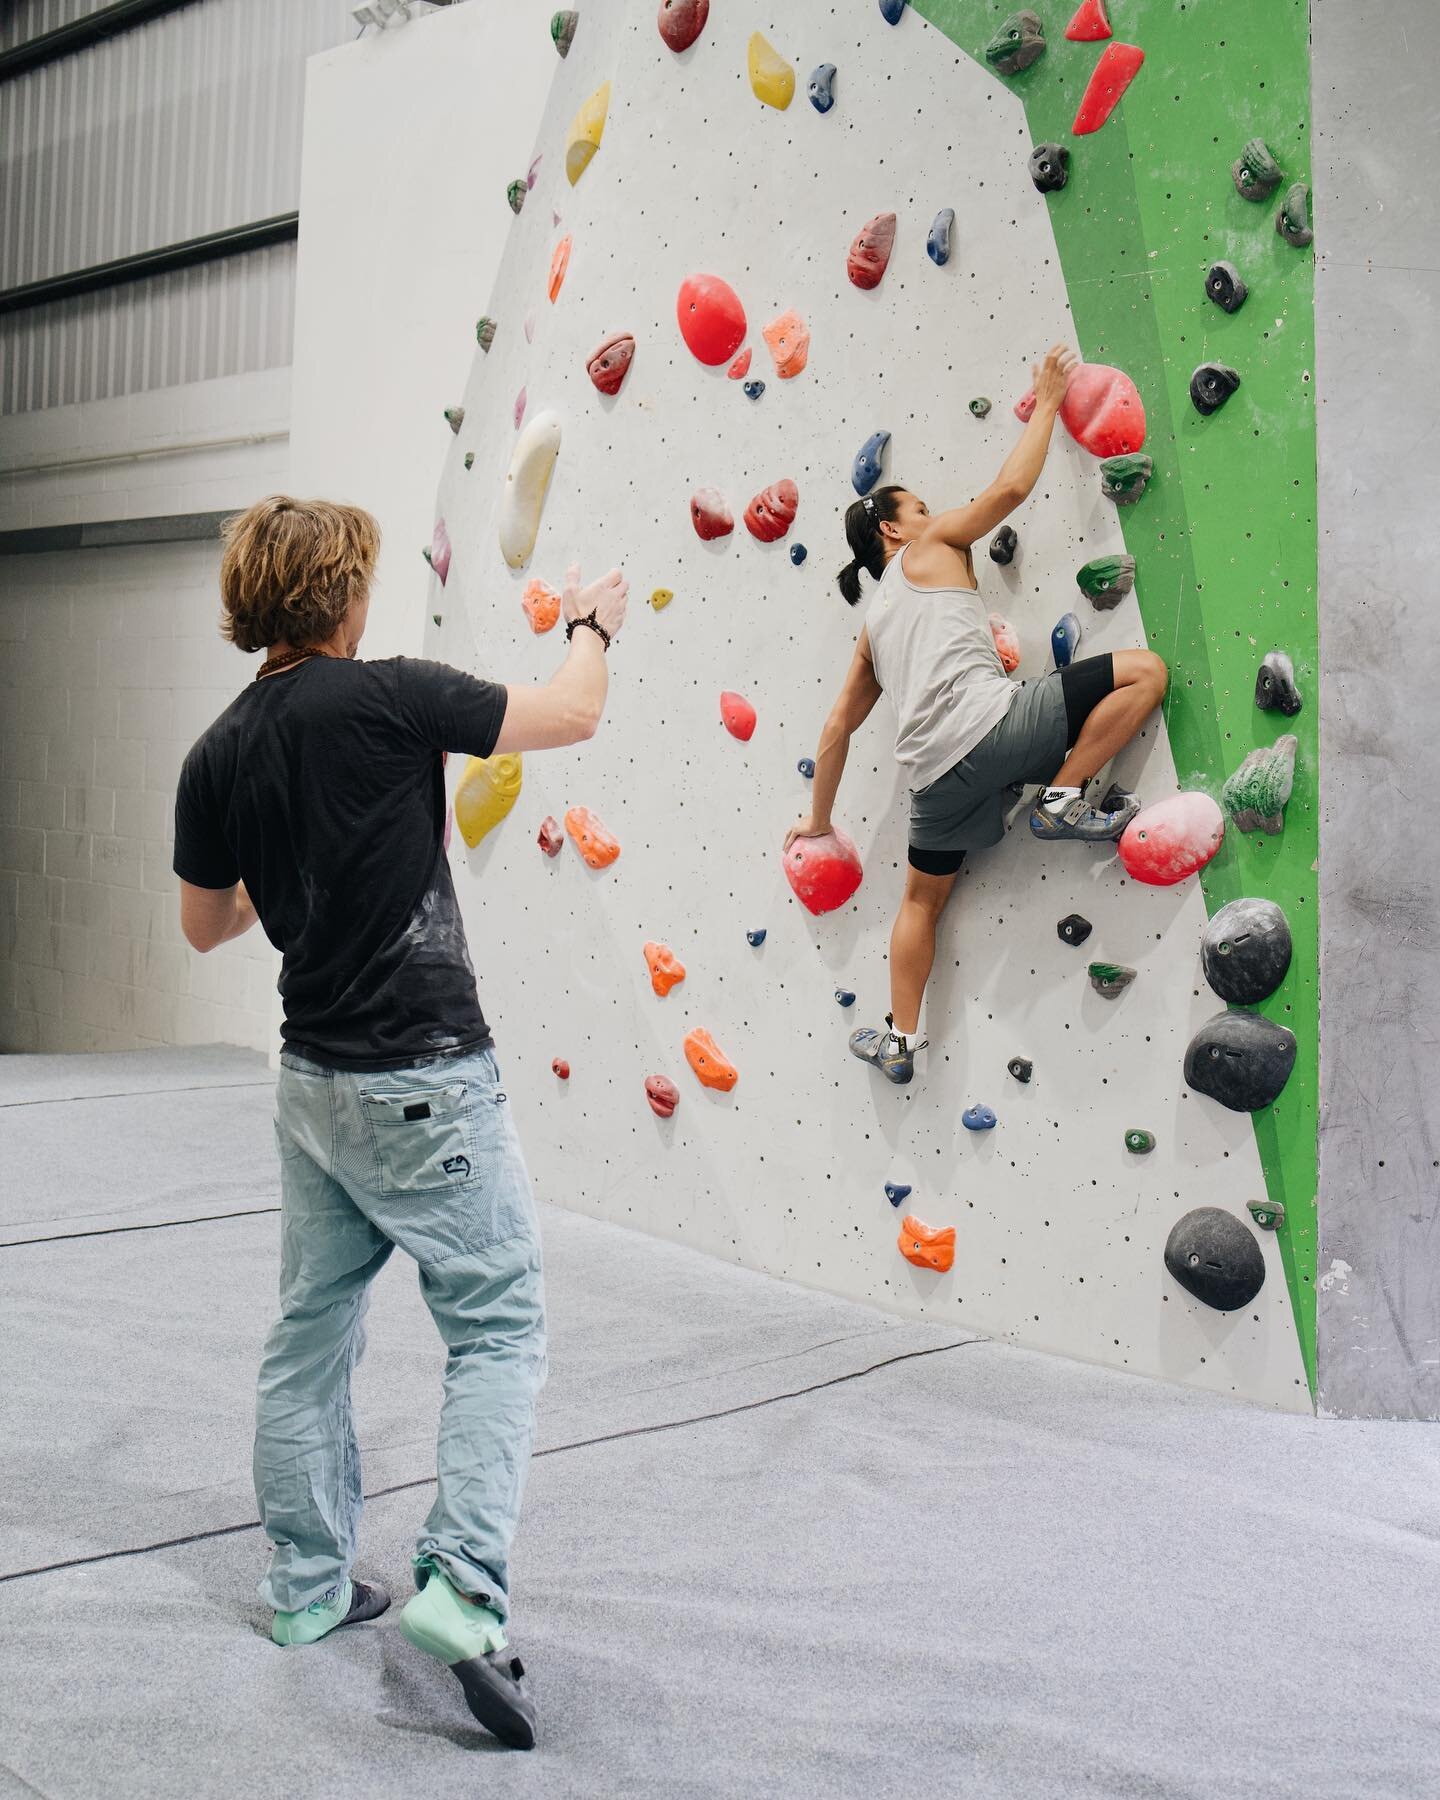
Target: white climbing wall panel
point(1059, 1229)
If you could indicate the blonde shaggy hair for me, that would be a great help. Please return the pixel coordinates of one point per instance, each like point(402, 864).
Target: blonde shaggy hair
point(292, 569)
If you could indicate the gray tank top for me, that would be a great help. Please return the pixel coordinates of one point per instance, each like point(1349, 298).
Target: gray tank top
point(936, 658)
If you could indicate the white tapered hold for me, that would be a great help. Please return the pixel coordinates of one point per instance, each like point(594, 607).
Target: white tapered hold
point(526, 484)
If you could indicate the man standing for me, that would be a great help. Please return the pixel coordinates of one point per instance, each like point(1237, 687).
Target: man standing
point(316, 802)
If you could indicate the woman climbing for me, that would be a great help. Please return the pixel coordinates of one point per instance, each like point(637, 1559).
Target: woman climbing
point(965, 733)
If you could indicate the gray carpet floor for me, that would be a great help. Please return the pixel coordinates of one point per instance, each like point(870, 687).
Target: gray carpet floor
point(774, 1542)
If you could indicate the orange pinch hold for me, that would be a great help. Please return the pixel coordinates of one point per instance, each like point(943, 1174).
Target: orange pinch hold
point(711, 1068)
point(666, 969)
point(927, 1246)
point(559, 263)
point(542, 606)
point(592, 840)
point(788, 337)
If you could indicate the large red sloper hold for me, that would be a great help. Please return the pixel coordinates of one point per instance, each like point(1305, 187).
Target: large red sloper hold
point(1090, 23)
point(711, 318)
point(772, 512)
point(1172, 840)
point(870, 253)
point(681, 22)
point(1102, 410)
point(823, 871)
point(1114, 72)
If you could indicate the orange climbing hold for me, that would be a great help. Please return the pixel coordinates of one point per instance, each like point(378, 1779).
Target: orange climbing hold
point(738, 716)
point(772, 512)
point(711, 1068)
point(1090, 23)
point(789, 339)
point(666, 969)
point(542, 607)
point(1116, 69)
point(1007, 644)
point(870, 253)
point(559, 263)
point(927, 1246)
point(592, 840)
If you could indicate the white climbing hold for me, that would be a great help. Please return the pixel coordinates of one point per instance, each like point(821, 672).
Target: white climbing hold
point(525, 486)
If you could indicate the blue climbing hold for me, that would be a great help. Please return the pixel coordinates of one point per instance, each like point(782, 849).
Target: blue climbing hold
point(896, 1191)
point(822, 87)
point(798, 553)
point(806, 768)
point(754, 389)
point(978, 1118)
point(1065, 640)
point(890, 11)
point(843, 997)
point(938, 242)
point(755, 938)
point(866, 471)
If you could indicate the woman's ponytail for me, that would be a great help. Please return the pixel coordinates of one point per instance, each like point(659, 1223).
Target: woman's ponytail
point(862, 530)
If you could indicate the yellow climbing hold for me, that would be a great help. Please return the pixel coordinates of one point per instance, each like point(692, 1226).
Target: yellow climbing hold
point(772, 80)
point(583, 139)
point(662, 597)
point(488, 789)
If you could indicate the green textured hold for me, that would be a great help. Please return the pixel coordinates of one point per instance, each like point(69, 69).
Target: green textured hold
point(1269, 1215)
point(562, 30)
point(1106, 580)
point(1255, 172)
point(435, 617)
point(1110, 979)
point(980, 406)
point(1140, 1143)
point(1123, 478)
point(516, 193)
point(1293, 219)
point(485, 332)
point(469, 459)
point(455, 417)
point(1019, 42)
point(425, 552)
point(1257, 794)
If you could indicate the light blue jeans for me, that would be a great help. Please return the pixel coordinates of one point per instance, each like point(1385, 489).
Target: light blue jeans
point(425, 1157)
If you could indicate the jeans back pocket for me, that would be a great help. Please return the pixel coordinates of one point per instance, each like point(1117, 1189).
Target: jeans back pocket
point(422, 1136)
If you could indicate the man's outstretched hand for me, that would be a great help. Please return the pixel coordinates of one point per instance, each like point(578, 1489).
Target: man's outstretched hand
point(605, 597)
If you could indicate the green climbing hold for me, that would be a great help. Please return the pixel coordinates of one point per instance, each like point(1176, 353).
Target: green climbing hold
point(1019, 42)
point(1110, 979)
point(469, 459)
point(1139, 1143)
point(1269, 1215)
point(980, 406)
point(1123, 478)
point(516, 193)
point(1293, 219)
point(1255, 172)
point(435, 617)
point(425, 552)
point(562, 30)
point(455, 417)
point(485, 332)
point(1257, 794)
point(1106, 580)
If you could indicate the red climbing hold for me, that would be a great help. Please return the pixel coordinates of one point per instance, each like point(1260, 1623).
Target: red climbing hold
point(772, 512)
point(1172, 839)
point(740, 368)
point(662, 1094)
point(561, 1068)
point(738, 715)
point(681, 22)
point(1102, 410)
point(1089, 24)
point(610, 363)
point(1116, 69)
point(870, 253)
point(710, 515)
point(823, 871)
point(551, 838)
point(711, 318)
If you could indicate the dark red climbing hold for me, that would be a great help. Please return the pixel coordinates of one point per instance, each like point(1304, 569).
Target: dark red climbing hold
point(551, 837)
point(681, 22)
point(610, 363)
point(1089, 24)
point(662, 1094)
point(870, 253)
point(1072, 929)
point(772, 512)
point(711, 318)
point(561, 1068)
point(710, 515)
point(1117, 68)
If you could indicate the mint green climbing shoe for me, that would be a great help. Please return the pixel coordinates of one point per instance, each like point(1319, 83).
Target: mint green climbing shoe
point(351, 1604)
point(471, 1640)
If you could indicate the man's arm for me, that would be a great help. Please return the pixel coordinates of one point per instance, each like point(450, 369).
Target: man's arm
point(210, 917)
point(850, 711)
point(569, 707)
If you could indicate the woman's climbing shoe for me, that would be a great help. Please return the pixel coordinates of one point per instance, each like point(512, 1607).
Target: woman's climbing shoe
point(351, 1604)
point(882, 1050)
point(1082, 821)
point(471, 1640)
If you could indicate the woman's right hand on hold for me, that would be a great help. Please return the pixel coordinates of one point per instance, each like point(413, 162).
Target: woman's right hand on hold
point(807, 828)
point(1052, 376)
point(606, 598)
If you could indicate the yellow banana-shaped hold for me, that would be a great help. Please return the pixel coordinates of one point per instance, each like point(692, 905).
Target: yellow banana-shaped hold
point(586, 130)
point(772, 79)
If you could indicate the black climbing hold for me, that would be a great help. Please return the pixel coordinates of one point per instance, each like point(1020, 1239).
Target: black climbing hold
point(1255, 172)
point(1293, 219)
point(1246, 950)
point(1049, 167)
point(1225, 288)
point(798, 553)
point(1214, 1256)
point(1073, 929)
point(754, 389)
point(1021, 1067)
point(1116, 798)
point(1211, 386)
point(435, 617)
point(1240, 1059)
point(1004, 544)
point(1275, 689)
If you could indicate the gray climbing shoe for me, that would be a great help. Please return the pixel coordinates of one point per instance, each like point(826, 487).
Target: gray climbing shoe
point(1087, 824)
point(881, 1049)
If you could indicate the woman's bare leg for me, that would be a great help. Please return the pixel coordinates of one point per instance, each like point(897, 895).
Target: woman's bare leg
point(1140, 680)
point(912, 945)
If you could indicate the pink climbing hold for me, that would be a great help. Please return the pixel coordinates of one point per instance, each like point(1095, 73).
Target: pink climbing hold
point(711, 318)
point(740, 368)
point(609, 364)
point(449, 823)
point(709, 514)
point(1117, 68)
point(1174, 838)
point(870, 253)
point(738, 715)
point(440, 550)
point(1090, 23)
point(662, 1094)
point(533, 172)
point(1007, 644)
point(788, 337)
point(1102, 410)
point(681, 22)
point(772, 512)
point(520, 401)
point(823, 871)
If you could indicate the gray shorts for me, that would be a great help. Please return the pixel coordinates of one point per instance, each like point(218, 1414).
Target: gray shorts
point(965, 809)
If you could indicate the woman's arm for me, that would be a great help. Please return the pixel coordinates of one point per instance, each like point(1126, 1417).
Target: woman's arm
point(851, 709)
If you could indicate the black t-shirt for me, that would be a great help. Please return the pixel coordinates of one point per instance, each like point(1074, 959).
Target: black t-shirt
point(321, 786)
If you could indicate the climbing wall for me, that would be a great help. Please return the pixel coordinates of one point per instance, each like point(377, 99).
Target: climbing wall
point(680, 170)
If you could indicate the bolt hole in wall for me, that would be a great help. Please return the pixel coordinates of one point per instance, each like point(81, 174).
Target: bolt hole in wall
point(1143, 1193)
